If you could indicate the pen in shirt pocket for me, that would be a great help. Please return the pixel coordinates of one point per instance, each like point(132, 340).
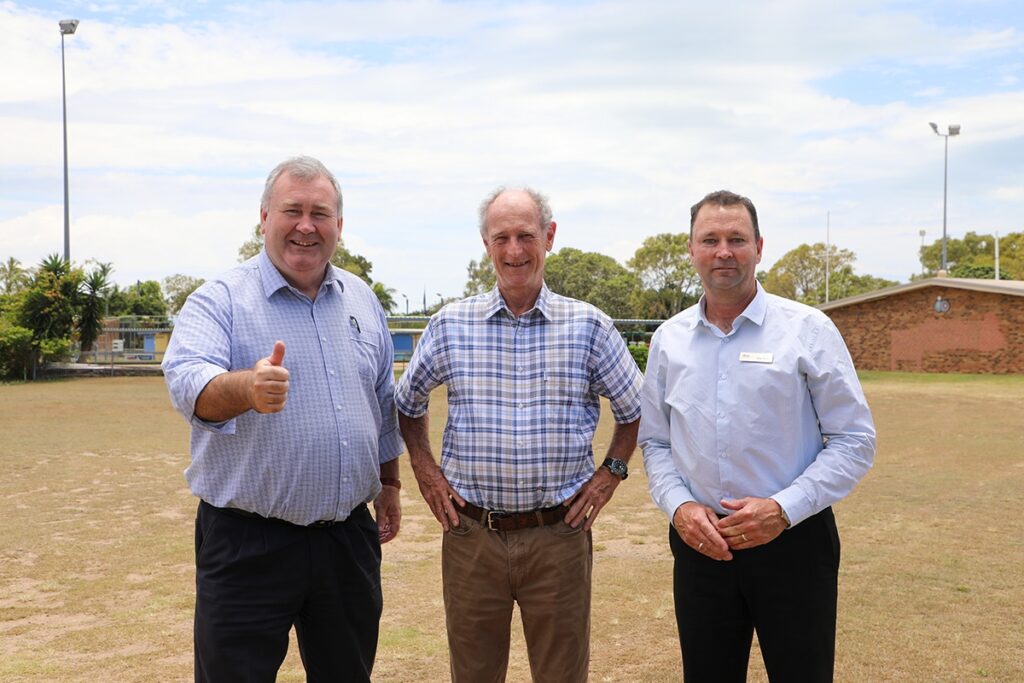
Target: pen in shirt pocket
point(354, 324)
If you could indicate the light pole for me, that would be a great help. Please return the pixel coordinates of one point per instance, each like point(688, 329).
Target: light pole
point(921, 233)
point(67, 28)
point(406, 304)
point(953, 129)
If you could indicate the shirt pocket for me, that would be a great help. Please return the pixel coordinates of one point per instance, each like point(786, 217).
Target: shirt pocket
point(365, 351)
point(566, 396)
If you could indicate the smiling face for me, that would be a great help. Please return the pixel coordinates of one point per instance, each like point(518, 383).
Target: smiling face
point(301, 227)
point(724, 251)
point(517, 246)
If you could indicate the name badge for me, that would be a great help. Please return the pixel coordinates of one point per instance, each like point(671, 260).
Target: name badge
point(751, 357)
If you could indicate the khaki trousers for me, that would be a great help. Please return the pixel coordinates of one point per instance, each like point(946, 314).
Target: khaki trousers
point(546, 570)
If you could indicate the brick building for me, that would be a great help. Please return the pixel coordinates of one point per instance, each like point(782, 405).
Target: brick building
point(936, 325)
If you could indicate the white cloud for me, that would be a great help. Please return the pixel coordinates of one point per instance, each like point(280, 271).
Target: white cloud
point(624, 113)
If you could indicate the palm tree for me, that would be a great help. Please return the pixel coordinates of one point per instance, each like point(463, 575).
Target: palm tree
point(12, 276)
point(386, 297)
point(92, 304)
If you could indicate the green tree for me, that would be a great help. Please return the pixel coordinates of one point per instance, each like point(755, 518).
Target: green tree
point(977, 249)
point(800, 275)
point(15, 350)
point(846, 283)
point(668, 279)
point(48, 307)
point(480, 276)
point(177, 289)
point(92, 304)
point(142, 298)
point(594, 278)
point(13, 278)
point(976, 272)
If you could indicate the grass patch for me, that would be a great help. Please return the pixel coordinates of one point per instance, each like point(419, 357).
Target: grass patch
point(97, 576)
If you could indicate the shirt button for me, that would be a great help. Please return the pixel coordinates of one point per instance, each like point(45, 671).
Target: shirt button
point(330, 372)
point(521, 442)
point(520, 368)
point(725, 340)
point(344, 443)
point(722, 376)
point(339, 408)
point(720, 415)
point(522, 405)
point(323, 339)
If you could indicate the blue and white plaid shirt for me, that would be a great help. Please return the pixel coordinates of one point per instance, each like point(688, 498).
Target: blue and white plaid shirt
point(319, 457)
point(522, 395)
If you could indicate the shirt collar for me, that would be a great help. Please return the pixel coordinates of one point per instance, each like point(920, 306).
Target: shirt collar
point(495, 303)
point(272, 279)
point(754, 312)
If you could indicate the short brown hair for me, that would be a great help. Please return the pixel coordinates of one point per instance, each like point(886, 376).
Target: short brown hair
point(726, 198)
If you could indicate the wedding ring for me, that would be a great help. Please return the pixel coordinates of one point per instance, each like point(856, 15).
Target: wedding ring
point(744, 537)
point(700, 546)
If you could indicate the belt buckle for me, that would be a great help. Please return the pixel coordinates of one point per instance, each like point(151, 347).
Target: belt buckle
point(322, 523)
point(493, 517)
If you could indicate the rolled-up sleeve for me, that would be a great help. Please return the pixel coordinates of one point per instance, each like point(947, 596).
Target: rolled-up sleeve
point(419, 378)
point(389, 443)
point(616, 375)
point(199, 350)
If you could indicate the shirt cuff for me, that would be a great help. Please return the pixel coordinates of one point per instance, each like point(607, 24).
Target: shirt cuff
point(227, 427)
point(410, 408)
point(795, 503)
point(673, 499)
point(390, 446)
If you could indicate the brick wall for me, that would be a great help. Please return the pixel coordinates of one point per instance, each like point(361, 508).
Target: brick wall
point(981, 332)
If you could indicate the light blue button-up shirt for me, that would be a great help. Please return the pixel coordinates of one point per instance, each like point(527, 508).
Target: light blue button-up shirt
point(773, 409)
point(319, 457)
point(523, 395)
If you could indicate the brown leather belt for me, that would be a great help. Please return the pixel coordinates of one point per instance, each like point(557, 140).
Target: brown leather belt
point(513, 521)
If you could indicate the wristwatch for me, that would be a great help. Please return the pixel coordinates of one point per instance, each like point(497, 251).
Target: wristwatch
point(616, 467)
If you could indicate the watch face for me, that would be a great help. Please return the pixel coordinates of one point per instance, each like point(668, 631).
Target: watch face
point(616, 467)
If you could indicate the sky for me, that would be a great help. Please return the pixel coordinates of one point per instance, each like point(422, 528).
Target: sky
point(623, 113)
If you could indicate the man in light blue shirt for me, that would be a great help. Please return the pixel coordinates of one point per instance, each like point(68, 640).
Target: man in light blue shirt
point(283, 368)
point(754, 423)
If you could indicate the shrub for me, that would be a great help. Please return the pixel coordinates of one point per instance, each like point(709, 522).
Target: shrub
point(639, 353)
point(15, 351)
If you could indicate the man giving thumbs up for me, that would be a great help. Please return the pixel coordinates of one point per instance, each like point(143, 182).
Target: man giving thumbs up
point(286, 454)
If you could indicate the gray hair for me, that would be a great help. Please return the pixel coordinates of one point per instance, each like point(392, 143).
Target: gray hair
point(303, 168)
point(726, 198)
point(540, 200)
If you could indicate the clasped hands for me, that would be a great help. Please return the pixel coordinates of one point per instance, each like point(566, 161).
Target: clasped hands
point(753, 522)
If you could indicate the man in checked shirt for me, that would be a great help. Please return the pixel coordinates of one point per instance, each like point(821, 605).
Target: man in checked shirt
point(517, 491)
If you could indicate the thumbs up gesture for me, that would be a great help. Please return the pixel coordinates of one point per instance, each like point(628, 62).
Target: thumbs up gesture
point(269, 389)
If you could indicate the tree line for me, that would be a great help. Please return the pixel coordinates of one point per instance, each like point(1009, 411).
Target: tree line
point(48, 310)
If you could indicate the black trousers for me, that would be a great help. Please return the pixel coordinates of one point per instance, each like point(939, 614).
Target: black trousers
point(255, 578)
point(785, 590)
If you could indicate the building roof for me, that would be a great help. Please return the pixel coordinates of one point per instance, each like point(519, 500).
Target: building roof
point(1010, 287)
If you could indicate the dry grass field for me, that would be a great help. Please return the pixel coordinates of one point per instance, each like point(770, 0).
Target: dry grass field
point(96, 574)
